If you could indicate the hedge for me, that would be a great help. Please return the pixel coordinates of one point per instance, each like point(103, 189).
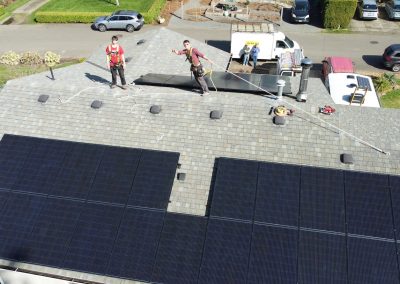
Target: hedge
point(151, 15)
point(67, 17)
point(337, 14)
point(2, 11)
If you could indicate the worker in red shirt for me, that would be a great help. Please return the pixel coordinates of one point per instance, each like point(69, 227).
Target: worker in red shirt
point(192, 55)
point(116, 62)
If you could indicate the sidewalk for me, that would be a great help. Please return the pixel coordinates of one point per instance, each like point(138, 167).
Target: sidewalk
point(22, 12)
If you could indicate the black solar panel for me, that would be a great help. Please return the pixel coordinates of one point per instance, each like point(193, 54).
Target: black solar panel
point(42, 166)
point(363, 83)
point(115, 175)
point(322, 258)
point(395, 195)
point(78, 171)
point(92, 242)
point(368, 210)
point(135, 249)
point(17, 221)
point(226, 252)
point(322, 199)
point(235, 189)
point(53, 231)
point(13, 152)
point(273, 256)
point(180, 249)
point(154, 178)
point(371, 261)
point(360, 178)
point(278, 194)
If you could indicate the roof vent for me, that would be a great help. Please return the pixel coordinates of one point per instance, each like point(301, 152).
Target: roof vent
point(96, 104)
point(216, 114)
point(350, 77)
point(279, 120)
point(347, 159)
point(43, 98)
point(141, 41)
point(181, 176)
point(155, 109)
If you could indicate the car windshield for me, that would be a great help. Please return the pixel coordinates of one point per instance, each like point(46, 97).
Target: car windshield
point(301, 7)
point(370, 6)
point(289, 42)
point(397, 7)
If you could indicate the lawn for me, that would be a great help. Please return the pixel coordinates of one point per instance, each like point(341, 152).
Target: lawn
point(391, 99)
point(107, 6)
point(13, 6)
point(12, 72)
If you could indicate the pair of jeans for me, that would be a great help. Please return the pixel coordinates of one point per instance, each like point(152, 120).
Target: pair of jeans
point(120, 70)
point(246, 57)
point(254, 60)
point(199, 77)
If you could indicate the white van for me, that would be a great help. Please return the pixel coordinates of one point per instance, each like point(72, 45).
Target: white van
point(368, 9)
point(393, 9)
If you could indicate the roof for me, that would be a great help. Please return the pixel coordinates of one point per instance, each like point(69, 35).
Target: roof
point(343, 85)
point(341, 64)
point(245, 131)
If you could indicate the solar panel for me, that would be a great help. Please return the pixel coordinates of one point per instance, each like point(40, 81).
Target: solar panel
point(235, 189)
point(42, 166)
point(371, 261)
point(53, 231)
point(322, 258)
point(273, 256)
point(226, 252)
point(115, 175)
point(322, 199)
point(269, 83)
point(17, 221)
point(136, 245)
point(180, 249)
point(154, 178)
point(365, 178)
point(278, 194)
point(395, 196)
point(91, 245)
point(78, 171)
point(363, 83)
point(13, 153)
point(368, 210)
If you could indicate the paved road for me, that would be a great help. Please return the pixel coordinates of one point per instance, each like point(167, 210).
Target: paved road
point(78, 40)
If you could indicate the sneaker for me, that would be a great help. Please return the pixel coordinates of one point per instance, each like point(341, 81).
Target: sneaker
point(124, 87)
point(205, 94)
point(113, 86)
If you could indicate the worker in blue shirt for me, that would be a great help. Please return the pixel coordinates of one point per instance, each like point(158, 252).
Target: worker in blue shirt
point(254, 54)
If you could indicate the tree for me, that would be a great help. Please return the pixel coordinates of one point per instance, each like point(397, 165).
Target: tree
point(117, 2)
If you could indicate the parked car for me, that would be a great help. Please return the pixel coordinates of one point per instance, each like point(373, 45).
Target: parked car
point(367, 9)
point(336, 64)
point(393, 9)
point(391, 57)
point(226, 7)
point(300, 11)
point(123, 19)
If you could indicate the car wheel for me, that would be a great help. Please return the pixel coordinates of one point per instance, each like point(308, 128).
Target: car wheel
point(130, 28)
point(138, 28)
point(102, 28)
point(396, 68)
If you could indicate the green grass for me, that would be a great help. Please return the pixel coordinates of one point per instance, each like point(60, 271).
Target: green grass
point(13, 72)
point(391, 99)
point(107, 6)
point(10, 8)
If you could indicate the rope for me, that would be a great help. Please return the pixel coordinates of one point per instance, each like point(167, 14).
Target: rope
point(310, 114)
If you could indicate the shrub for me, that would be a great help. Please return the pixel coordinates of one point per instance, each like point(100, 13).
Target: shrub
point(2, 11)
point(51, 59)
point(385, 83)
point(67, 17)
point(10, 58)
point(30, 58)
point(338, 13)
point(151, 15)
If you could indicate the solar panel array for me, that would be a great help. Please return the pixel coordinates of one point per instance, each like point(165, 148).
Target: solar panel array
point(102, 210)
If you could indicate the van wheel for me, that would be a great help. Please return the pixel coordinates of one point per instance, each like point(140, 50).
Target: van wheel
point(396, 68)
point(102, 28)
point(130, 28)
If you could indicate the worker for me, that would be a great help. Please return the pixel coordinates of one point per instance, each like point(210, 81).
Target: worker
point(246, 54)
point(116, 62)
point(192, 55)
point(254, 54)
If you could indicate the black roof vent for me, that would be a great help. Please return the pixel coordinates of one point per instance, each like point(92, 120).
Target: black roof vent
point(43, 98)
point(96, 104)
point(155, 109)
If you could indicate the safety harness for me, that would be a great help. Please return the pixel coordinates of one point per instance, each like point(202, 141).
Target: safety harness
point(198, 70)
point(110, 53)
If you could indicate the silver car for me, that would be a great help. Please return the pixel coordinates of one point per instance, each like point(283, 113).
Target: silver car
point(125, 20)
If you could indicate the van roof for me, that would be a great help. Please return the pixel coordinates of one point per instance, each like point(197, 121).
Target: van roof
point(341, 64)
point(369, 2)
point(342, 85)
